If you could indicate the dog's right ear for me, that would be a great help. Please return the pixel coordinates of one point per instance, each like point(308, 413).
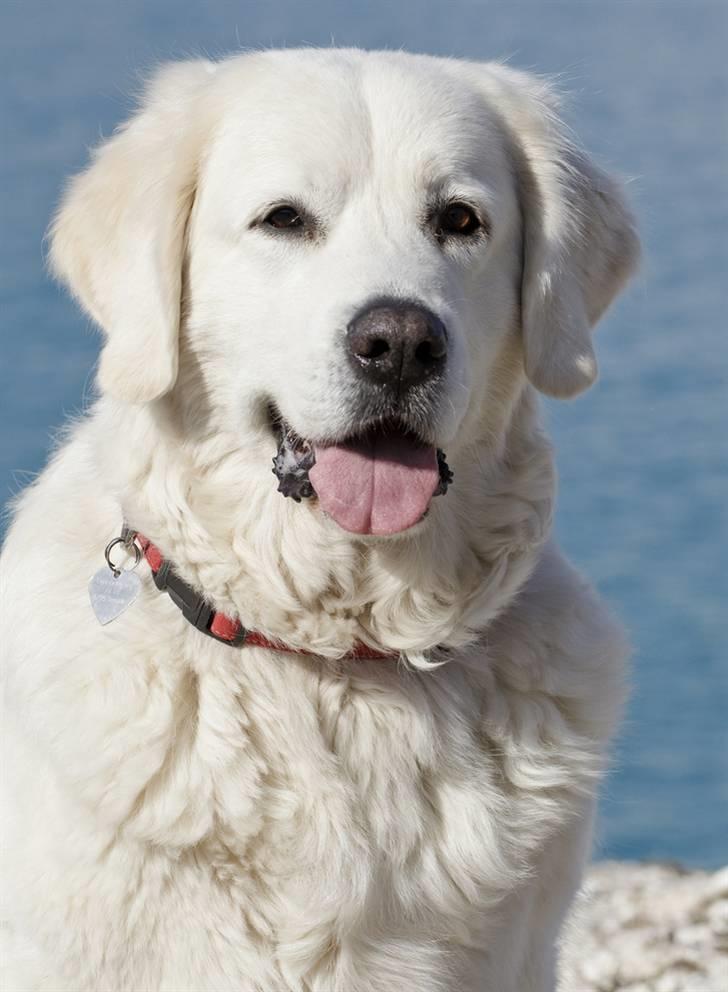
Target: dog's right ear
point(118, 239)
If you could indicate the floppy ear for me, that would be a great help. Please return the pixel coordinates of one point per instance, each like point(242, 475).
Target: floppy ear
point(579, 240)
point(118, 238)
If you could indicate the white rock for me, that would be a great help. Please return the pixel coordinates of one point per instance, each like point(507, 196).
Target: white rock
point(648, 928)
point(697, 935)
point(600, 968)
point(717, 887)
point(717, 915)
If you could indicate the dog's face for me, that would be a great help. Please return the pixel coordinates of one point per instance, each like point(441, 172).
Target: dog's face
point(373, 251)
point(331, 214)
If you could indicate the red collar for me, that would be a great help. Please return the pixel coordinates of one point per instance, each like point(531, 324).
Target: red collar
point(204, 618)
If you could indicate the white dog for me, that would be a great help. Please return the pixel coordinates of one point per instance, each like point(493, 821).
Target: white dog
point(361, 264)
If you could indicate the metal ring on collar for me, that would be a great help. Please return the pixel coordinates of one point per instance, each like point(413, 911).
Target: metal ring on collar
point(111, 545)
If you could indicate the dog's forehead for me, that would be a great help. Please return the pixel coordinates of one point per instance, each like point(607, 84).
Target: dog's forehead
point(328, 122)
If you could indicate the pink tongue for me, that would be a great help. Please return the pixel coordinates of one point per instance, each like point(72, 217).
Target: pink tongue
point(379, 485)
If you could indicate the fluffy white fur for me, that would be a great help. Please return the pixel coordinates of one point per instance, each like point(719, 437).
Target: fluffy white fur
point(187, 817)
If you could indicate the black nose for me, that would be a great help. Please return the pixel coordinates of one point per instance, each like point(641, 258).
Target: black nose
point(397, 343)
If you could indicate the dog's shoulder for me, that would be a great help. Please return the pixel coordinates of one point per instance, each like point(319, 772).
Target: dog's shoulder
point(558, 640)
point(60, 526)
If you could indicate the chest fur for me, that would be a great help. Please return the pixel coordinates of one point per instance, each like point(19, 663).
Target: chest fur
point(276, 816)
point(364, 800)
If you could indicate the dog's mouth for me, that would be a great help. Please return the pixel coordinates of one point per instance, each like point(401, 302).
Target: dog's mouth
point(379, 481)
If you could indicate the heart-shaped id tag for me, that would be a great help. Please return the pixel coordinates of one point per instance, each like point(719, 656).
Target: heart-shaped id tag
point(111, 594)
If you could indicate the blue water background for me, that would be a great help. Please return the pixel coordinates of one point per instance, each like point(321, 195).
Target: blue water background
point(643, 457)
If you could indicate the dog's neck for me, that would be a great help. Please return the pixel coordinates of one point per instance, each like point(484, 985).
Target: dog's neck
point(285, 570)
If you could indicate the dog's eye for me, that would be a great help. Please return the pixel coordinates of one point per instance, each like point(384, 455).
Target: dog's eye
point(284, 219)
point(458, 218)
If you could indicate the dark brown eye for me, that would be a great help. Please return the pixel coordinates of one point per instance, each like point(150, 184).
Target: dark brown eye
point(458, 218)
point(284, 219)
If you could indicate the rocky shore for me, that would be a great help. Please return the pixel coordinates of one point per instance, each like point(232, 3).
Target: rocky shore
point(648, 928)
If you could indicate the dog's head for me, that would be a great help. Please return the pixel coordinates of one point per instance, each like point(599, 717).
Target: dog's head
point(366, 254)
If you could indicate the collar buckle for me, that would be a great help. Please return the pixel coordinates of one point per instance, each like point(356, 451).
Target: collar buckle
point(195, 609)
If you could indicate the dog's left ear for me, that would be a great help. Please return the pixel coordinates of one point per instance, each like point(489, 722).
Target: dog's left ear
point(579, 240)
point(118, 238)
